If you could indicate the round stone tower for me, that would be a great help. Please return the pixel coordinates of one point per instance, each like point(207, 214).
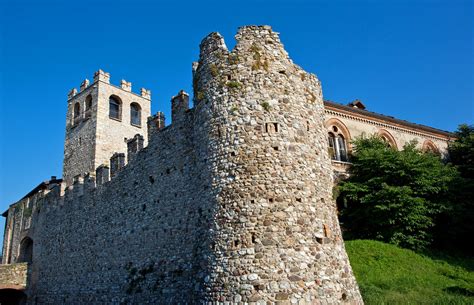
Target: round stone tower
point(275, 236)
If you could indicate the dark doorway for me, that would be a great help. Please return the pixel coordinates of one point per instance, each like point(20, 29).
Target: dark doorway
point(12, 297)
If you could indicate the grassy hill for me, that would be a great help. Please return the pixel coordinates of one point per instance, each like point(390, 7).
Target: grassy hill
point(390, 275)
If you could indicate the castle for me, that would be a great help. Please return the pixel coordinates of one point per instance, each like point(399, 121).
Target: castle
point(230, 204)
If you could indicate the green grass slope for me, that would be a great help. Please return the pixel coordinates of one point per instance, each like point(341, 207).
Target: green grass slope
point(390, 275)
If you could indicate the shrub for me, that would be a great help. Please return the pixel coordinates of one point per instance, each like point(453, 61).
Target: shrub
point(394, 196)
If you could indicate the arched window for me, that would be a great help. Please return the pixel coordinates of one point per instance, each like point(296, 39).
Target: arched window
point(115, 108)
point(87, 112)
point(77, 113)
point(337, 146)
point(430, 147)
point(387, 138)
point(135, 114)
point(26, 251)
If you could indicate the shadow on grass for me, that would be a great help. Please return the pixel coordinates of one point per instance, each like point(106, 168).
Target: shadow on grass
point(456, 259)
point(460, 291)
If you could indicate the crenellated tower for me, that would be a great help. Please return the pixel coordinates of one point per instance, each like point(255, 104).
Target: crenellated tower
point(274, 235)
point(100, 119)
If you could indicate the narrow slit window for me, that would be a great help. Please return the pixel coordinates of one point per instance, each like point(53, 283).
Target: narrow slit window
point(77, 113)
point(271, 127)
point(87, 112)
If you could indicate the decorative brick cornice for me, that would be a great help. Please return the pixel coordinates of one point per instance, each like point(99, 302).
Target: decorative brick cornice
point(367, 118)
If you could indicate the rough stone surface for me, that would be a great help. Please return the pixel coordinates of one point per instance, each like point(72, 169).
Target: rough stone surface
point(230, 204)
point(262, 118)
point(13, 276)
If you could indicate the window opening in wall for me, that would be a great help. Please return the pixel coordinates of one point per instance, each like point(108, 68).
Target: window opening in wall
point(337, 146)
point(115, 111)
point(431, 148)
point(87, 112)
point(271, 127)
point(135, 114)
point(387, 141)
point(26, 251)
point(77, 113)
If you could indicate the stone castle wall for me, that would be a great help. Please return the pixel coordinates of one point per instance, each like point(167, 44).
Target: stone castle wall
point(135, 239)
point(277, 237)
point(232, 203)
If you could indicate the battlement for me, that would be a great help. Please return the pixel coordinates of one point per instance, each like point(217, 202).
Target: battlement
point(155, 123)
point(104, 77)
point(100, 75)
point(120, 166)
point(203, 210)
point(248, 39)
point(179, 105)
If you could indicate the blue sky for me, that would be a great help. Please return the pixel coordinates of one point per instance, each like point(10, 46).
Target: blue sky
point(408, 59)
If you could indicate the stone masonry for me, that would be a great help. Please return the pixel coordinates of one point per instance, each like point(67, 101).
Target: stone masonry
point(92, 136)
point(276, 236)
point(13, 276)
point(230, 204)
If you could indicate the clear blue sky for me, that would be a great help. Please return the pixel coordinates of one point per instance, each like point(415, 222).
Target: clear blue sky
point(409, 59)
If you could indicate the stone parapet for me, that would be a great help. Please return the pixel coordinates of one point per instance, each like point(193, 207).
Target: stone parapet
point(13, 276)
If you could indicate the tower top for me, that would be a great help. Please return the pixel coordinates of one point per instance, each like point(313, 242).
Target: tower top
point(104, 77)
point(100, 116)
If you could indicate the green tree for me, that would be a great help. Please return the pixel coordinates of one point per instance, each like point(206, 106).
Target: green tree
point(455, 226)
point(394, 196)
point(461, 151)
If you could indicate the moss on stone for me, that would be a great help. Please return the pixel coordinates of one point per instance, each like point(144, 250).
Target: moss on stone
point(214, 70)
point(234, 84)
point(266, 106)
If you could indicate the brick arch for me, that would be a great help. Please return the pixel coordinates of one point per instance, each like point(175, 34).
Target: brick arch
point(388, 136)
point(12, 286)
point(342, 129)
point(428, 145)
